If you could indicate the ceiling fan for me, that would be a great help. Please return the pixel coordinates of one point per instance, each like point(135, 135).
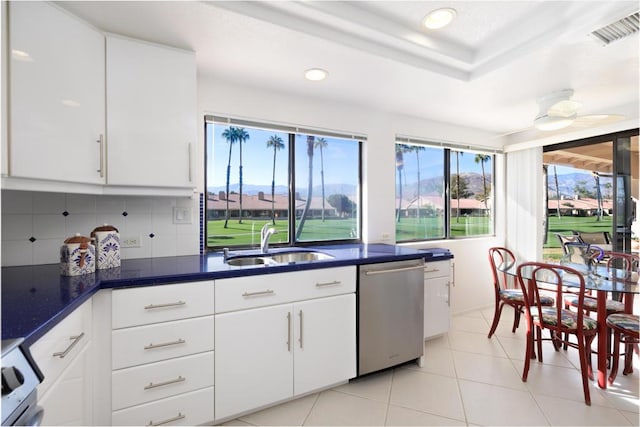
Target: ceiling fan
point(557, 111)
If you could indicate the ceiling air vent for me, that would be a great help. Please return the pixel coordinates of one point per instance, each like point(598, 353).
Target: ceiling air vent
point(619, 29)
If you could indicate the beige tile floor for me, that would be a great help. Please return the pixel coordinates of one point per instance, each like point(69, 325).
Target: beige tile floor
point(467, 379)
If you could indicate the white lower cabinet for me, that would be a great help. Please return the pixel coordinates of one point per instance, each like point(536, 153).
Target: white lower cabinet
point(273, 353)
point(64, 355)
point(68, 401)
point(437, 294)
point(325, 348)
point(187, 409)
point(162, 356)
point(254, 359)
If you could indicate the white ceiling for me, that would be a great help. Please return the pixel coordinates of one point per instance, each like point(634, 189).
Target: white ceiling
point(485, 70)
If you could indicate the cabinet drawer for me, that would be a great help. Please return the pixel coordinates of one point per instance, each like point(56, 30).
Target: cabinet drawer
point(437, 269)
point(146, 383)
point(256, 291)
point(188, 409)
point(151, 343)
point(145, 305)
point(58, 347)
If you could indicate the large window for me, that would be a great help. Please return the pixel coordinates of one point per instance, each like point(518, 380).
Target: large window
point(304, 183)
point(442, 192)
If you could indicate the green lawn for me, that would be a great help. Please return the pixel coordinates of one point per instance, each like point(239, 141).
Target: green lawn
point(248, 233)
point(566, 225)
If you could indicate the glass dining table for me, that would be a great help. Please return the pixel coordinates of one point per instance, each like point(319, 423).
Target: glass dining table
point(601, 280)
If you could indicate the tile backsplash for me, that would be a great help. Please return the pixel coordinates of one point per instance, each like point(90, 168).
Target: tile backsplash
point(35, 224)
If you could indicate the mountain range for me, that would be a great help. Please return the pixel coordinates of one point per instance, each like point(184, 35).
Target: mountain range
point(567, 184)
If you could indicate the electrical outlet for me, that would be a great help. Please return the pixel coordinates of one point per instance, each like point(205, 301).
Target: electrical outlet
point(385, 237)
point(131, 242)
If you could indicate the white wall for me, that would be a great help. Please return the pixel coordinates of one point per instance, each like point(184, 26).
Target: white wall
point(473, 287)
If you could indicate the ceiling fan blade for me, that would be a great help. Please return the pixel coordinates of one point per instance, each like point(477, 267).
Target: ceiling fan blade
point(596, 120)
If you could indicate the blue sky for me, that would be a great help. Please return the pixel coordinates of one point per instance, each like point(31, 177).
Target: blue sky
point(340, 160)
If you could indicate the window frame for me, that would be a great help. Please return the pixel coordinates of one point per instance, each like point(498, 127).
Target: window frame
point(291, 131)
point(447, 149)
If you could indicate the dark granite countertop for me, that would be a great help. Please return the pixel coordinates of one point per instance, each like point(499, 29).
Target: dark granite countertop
point(35, 298)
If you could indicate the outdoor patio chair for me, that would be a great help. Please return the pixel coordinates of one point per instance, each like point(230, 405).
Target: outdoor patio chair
point(567, 238)
point(595, 238)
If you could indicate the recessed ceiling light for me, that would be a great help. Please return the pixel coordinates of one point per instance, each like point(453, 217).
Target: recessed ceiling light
point(316, 74)
point(439, 18)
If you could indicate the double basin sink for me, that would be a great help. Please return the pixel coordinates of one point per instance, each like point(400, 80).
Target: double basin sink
point(277, 258)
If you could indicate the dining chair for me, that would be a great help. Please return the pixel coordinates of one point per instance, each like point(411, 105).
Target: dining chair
point(535, 277)
point(506, 293)
point(625, 329)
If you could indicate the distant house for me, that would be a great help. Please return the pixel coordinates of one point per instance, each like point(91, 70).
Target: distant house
point(579, 207)
point(434, 206)
point(259, 206)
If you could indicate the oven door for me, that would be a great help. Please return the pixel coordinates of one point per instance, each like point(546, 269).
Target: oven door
point(27, 414)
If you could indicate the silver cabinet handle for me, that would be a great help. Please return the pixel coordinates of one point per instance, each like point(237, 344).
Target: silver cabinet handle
point(453, 272)
point(449, 294)
point(189, 160)
point(335, 282)
point(170, 304)
point(75, 340)
point(101, 142)
point(435, 270)
point(173, 381)
point(289, 332)
point(393, 270)
point(253, 294)
point(301, 328)
point(164, 344)
point(167, 421)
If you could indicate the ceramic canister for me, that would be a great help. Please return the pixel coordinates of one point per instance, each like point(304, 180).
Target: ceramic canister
point(107, 241)
point(77, 256)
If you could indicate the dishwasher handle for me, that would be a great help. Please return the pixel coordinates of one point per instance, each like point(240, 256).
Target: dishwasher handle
point(393, 270)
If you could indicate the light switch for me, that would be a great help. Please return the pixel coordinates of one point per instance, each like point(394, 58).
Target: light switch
point(182, 215)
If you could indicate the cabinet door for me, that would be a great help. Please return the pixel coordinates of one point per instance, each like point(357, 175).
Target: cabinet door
point(325, 342)
point(151, 114)
point(436, 306)
point(253, 359)
point(57, 102)
point(69, 400)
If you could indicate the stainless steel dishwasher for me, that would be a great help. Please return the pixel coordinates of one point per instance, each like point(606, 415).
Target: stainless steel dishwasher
point(390, 314)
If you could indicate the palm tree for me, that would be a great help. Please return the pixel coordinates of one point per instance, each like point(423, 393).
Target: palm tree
point(241, 136)
point(458, 154)
point(596, 177)
point(321, 143)
point(555, 175)
point(230, 134)
point(400, 148)
point(307, 205)
point(417, 149)
point(482, 159)
point(276, 142)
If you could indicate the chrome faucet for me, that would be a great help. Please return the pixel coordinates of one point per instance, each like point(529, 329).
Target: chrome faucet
point(265, 233)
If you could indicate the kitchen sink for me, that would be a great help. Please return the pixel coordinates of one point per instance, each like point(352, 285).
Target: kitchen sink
point(277, 258)
point(248, 260)
point(288, 257)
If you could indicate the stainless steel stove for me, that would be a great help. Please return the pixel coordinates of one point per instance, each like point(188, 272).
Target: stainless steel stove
point(20, 378)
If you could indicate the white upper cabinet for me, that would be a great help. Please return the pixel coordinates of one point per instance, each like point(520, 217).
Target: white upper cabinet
point(151, 114)
point(57, 96)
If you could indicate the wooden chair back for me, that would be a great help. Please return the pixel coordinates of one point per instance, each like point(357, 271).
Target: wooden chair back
point(500, 256)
